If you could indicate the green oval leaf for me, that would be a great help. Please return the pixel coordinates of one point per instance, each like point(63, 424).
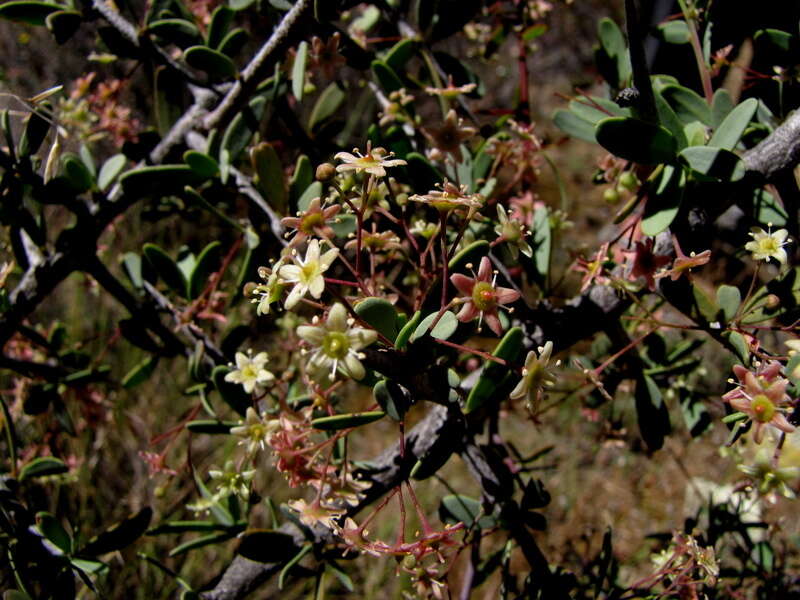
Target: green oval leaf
point(243, 127)
point(573, 125)
point(715, 163)
point(202, 164)
point(160, 179)
point(165, 267)
point(180, 32)
point(408, 329)
point(54, 532)
point(233, 43)
point(394, 399)
point(472, 254)
point(386, 76)
point(457, 508)
point(729, 298)
point(213, 62)
point(184, 526)
point(110, 169)
point(493, 377)
point(444, 328)
point(729, 132)
point(206, 264)
point(269, 175)
point(674, 32)
point(329, 101)
point(41, 467)
point(380, 314)
point(688, 104)
point(399, 54)
point(345, 421)
point(636, 140)
point(299, 70)
point(221, 20)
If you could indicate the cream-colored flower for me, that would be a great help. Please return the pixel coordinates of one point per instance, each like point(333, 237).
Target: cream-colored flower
point(316, 512)
point(307, 274)
point(255, 430)
point(337, 344)
point(373, 162)
point(230, 481)
point(450, 197)
point(513, 233)
point(768, 244)
point(535, 377)
point(268, 292)
point(250, 371)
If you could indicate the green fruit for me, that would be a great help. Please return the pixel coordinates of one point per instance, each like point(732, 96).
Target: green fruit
point(629, 181)
point(611, 196)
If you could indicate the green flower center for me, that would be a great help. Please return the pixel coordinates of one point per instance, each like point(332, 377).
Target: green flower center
point(249, 372)
point(483, 296)
point(512, 231)
point(309, 271)
point(311, 221)
point(763, 409)
point(335, 345)
point(769, 245)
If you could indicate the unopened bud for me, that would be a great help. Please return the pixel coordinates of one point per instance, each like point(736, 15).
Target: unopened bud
point(772, 301)
point(249, 287)
point(325, 172)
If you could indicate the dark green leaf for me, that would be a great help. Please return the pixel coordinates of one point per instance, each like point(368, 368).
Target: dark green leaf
point(185, 526)
point(232, 393)
point(140, 373)
point(33, 135)
point(41, 467)
point(160, 179)
point(663, 206)
point(234, 42)
point(408, 329)
point(243, 127)
point(394, 399)
point(202, 164)
point(380, 314)
point(206, 540)
point(221, 20)
point(213, 62)
point(24, 11)
point(444, 328)
point(491, 380)
point(63, 24)
point(207, 263)
point(401, 53)
point(210, 426)
point(674, 32)
point(269, 176)
point(165, 267)
point(266, 545)
point(120, 535)
point(636, 140)
point(181, 32)
point(652, 413)
point(345, 421)
point(721, 106)
point(688, 104)
point(54, 532)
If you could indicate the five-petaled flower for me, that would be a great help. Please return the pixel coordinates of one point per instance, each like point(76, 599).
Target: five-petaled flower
point(449, 137)
point(268, 292)
point(482, 297)
point(513, 233)
point(535, 377)
point(768, 244)
point(449, 197)
point(762, 397)
point(250, 371)
point(255, 431)
point(314, 220)
point(646, 262)
point(337, 344)
point(232, 482)
point(307, 274)
point(373, 162)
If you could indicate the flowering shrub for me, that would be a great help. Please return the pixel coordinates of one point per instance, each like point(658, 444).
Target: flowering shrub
point(335, 298)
